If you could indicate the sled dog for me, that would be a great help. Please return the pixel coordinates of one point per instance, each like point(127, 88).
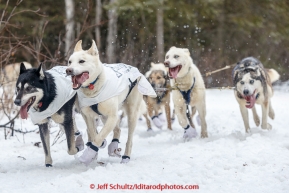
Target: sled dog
point(158, 78)
point(253, 85)
point(45, 95)
point(102, 90)
point(190, 90)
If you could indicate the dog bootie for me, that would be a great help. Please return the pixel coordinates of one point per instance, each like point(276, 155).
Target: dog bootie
point(79, 143)
point(190, 132)
point(158, 123)
point(89, 154)
point(162, 117)
point(125, 159)
point(113, 149)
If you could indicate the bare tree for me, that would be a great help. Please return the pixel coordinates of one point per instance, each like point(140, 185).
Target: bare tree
point(97, 22)
point(69, 37)
point(160, 33)
point(112, 34)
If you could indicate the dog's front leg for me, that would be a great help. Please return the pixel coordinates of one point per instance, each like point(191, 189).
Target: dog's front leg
point(265, 111)
point(271, 110)
point(201, 108)
point(45, 138)
point(168, 114)
point(244, 113)
point(189, 132)
point(255, 116)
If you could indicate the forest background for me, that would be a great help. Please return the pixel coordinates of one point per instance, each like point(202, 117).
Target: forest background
point(138, 32)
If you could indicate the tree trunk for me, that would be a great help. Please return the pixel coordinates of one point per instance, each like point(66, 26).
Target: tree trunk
point(160, 34)
point(97, 22)
point(69, 27)
point(112, 34)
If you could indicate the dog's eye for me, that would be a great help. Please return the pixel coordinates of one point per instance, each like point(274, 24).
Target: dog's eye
point(158, 77)
point(29, 88)
point(242, 82)
point(81, 61)
point(167, 57)
point(176, 56)
point(251, 81)
point(69, 62)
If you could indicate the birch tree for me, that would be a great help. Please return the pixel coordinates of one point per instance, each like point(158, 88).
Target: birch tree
point(69, 26)
point(97, 21)
point(112, 34)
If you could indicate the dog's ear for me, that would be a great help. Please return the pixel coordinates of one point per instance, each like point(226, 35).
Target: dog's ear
point(173, 47)
point(22, 68)
point(152, 64)
point(93, 49)
point(78, 46)
point(186, 50)
point(40, 72)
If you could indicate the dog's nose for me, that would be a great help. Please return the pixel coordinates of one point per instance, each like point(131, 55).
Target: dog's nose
point(17, 102)
point(246, 92)
point(69, 71)
point(167, 63)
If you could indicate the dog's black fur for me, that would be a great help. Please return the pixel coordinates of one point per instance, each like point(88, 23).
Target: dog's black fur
point(33, 78)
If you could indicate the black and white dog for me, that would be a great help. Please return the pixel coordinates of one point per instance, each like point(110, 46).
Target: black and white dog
point(45, 95)
point(253, 84)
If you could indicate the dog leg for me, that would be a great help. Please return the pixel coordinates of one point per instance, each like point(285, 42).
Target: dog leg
point(256, 117)
point(201, 108)
point(189, 132)
point(265, 112)
point(244, 113)
point(113, 149)
point(156, 120)
point(148, 122)
point(271, 111)
point(168, 114)
point(45, 138)
point(69, 128)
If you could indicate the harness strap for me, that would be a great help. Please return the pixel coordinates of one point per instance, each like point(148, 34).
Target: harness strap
point(131, 86)
point(95, 109)
point(187, 94)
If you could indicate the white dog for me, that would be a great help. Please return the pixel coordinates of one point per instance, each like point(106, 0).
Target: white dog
point(190, 89)
point(102, 90)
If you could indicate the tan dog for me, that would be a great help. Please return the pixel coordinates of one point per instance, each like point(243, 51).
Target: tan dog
point(186, 77)
point(103, 90)
point(253, 84)
point(158, 78)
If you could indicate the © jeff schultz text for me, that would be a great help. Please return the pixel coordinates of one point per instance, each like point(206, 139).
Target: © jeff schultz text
point(160, 187)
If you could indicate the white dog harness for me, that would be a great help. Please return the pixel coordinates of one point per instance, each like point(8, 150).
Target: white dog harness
point(64, 93)
point(118, 78)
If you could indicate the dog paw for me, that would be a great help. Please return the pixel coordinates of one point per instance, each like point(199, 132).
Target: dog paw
point(149, 130)
point(162, 117)
point(204, 135)
point(89, 154)
point(79, 143)
point(257, 120)
point(113, 149)
point(268, 126)
point(125, 159)
point(103, 145)
point(158, 123)
point(190, 133)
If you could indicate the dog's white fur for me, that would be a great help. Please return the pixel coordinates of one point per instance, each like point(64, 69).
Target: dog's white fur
point(109, 108)
point(264, 101)
point(185, 80)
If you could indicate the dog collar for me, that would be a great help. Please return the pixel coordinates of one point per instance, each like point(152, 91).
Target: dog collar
point(91, 85)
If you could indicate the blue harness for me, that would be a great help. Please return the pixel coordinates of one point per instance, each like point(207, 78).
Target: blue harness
point(187, 94)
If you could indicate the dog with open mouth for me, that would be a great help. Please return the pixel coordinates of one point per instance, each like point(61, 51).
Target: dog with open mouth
point(158, 78)
point(44, 95)
point(103, 90)
point(253, 85)
point(189, 91)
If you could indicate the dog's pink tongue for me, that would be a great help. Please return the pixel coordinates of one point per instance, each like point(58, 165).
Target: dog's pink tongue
point(82, 77)
point(252, 101)
point(23, 111)
point(174, 72)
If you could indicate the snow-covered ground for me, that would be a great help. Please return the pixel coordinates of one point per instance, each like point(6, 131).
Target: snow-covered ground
point(228, 161)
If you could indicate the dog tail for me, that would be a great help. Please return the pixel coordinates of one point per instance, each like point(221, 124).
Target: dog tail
point(273, 74)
